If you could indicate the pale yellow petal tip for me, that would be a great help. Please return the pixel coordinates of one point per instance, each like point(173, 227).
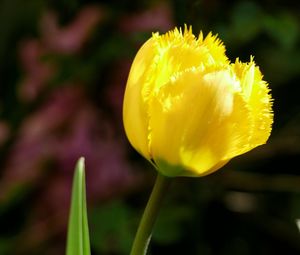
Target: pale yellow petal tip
point(257, 95)
point(186, 33)
point(176, 33)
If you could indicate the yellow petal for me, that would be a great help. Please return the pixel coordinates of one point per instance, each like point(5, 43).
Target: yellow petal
point(177, 51)
point(256, 92)
point(135, 116)
point(158, 59)
point(198, 121)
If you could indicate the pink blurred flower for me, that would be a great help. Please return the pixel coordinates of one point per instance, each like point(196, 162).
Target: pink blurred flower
point(67, 40)
point(48, 145)
point(71, 38)
point(34, 145)
point(158, 17)
point(63, 129)
point(37, 72)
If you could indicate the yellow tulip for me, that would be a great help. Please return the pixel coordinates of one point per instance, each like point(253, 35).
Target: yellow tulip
point(188, 110)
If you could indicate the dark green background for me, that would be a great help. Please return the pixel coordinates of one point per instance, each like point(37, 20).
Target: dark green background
point(249, 207)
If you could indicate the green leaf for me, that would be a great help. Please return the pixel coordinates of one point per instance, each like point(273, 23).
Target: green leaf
point(78, 242)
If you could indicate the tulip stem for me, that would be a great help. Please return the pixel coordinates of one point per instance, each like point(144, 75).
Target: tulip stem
point(144, 232)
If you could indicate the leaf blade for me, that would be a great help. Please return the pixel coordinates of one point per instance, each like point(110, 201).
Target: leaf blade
point(78, 241)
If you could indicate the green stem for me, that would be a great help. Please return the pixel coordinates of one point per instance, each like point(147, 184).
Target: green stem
point(144, 231)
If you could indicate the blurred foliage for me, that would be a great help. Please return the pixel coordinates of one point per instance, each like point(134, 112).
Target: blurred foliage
point(115, 231)
point(66, 75)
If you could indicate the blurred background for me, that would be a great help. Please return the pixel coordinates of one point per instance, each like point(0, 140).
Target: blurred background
point(63, 70)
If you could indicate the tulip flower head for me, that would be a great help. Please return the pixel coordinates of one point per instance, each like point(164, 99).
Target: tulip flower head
point(188, 110)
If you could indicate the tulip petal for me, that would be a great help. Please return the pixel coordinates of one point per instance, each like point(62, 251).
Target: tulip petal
point(176, 46)
point(198, 120)
point(135, 114)
point(158, 59)
point(256, 93)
